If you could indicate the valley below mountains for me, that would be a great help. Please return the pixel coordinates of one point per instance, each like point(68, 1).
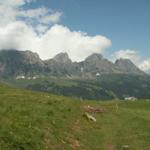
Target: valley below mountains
point(94, 78)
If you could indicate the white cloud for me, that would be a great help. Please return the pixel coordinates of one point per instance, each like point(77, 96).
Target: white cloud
point(9, 10)
point(57, 39)
point(18, 35)
point(77, 44)
point(41, 15)
point(14, 11)
point(135, 57)
point(41, 28)
point(14, 3)
point(54, 18)
point(34, 13)
point(145, 65)
point(29, 30)
point(127, 54)
point(9, 15)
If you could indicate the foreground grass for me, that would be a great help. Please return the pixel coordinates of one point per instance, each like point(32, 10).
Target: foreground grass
point(38, 121)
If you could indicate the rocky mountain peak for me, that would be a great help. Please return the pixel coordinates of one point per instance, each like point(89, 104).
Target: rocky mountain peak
point(94, 57)
point(13, 62)
point(26, 56)
point(62, 58)
point(30, 54)
point(122, 61)
point(127, 66)
point(31, 57)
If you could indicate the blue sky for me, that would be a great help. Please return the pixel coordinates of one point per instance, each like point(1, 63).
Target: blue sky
point(114, 28)
point(125, 22)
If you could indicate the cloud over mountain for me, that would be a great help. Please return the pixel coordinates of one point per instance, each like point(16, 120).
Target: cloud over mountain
point(145, 65)
point(58, 38)
point(127, 54)
point(37, 30)
point(135, 57)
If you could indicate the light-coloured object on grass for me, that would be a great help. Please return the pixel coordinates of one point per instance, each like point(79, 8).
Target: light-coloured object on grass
point(90, 117)
point(20, 77)
point(91, 109)
point(125, 147)
point(130, 98)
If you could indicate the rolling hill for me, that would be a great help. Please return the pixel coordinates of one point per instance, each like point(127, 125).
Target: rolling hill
point(105, 87)
point(32, 120)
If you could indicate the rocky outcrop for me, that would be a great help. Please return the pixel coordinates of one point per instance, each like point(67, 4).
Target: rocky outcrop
point(13, 63)
point(127, 66)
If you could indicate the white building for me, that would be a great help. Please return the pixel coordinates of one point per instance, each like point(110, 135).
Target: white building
point(20, 77)
point(97, 74)
point(130, 98)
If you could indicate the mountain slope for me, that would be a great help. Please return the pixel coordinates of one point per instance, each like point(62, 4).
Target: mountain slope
point(97, 64)
point(105, 87)
point(14, 63)
point(31, 120)
point(60, 65)
point(93, 78)
point(126, 66)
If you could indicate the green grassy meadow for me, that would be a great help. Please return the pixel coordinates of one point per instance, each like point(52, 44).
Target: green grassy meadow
point(40, 121)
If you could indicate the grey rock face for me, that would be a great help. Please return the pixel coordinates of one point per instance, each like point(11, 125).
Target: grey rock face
point(127, 66)
point(60, 65)
point(94, 58)
point(14, 63)
point(62, 58)
point(97, 64)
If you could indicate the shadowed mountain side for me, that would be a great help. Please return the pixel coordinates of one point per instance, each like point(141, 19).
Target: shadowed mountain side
point(27, 63)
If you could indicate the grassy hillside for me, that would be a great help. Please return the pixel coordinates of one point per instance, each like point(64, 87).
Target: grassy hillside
point(105, 87)
point(38, 121)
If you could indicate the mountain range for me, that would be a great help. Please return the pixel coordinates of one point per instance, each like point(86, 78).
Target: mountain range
point(14, 63)
point(94, 78)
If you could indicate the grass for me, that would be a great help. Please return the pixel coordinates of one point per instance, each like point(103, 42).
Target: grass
point(51, 80)
point(40, 121)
